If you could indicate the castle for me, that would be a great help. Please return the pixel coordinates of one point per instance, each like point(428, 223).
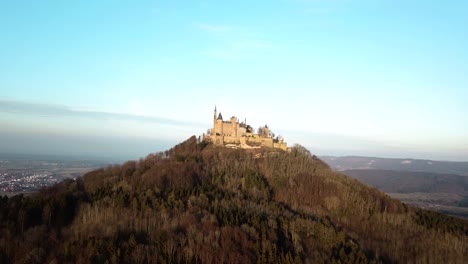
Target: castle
point(234, 134)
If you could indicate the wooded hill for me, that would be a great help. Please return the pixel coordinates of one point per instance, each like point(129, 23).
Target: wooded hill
point(197, 203)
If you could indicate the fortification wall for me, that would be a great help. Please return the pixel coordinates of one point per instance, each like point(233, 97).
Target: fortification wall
point(267, 142)
point(229, 129)
point(282, 146)
point(231, 140)
point(250, 141)
point(217, 140)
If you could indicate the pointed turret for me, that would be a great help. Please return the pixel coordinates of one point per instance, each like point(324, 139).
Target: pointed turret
point(214, 116)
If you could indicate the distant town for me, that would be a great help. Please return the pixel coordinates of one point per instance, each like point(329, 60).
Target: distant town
point(26, 174)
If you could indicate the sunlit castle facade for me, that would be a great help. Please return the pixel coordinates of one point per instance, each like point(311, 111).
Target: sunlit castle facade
point(234, 134)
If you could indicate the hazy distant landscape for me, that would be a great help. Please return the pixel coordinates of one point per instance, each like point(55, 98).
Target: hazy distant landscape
point(400, 164)
point(22, 173)
point(436, 185)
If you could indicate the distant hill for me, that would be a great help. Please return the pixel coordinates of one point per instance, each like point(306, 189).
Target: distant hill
point(415, 165)
point(446, 193)
point(198, 203)
point(409, 182)
point(436, 185)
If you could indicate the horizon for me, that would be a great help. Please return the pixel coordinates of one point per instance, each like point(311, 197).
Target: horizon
point(342, 78)
point(156, 147)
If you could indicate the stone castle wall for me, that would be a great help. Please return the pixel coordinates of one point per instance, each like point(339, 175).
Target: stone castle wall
point(245, 142)
point(233, 133)
point(232, 128)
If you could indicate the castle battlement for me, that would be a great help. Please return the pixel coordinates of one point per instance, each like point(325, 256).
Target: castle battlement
point(237, 134)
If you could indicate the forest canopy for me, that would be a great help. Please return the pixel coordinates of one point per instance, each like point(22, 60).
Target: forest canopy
point(197, 203)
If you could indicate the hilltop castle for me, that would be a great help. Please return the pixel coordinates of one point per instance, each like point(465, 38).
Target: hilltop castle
point(234, 134)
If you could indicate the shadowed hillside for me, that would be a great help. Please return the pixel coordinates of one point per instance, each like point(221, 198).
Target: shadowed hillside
point(197, 203)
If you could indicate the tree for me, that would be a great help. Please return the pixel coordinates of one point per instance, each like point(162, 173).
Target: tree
point(260, 131)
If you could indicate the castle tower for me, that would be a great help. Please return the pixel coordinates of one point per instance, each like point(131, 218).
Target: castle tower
point(234, 126)
point(214, 117)
point(217, 124)
point(266, 131)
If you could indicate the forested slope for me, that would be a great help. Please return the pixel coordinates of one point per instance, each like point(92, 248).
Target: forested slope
point(196, 203)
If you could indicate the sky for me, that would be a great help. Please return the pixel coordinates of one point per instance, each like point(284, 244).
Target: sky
point(111, 78)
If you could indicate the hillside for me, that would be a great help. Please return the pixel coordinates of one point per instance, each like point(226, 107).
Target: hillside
point(197, 203)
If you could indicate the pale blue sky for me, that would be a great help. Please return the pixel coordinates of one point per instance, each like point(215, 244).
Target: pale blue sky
point(344, 77)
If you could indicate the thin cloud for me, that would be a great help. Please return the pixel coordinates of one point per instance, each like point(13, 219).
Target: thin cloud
point(317, 11)
point(236, 50)
point(232, 43)
point(249, 45)
point(320, 7)
point(211, 28)
point(222, 54)
point(155, 10)
point(18, 107)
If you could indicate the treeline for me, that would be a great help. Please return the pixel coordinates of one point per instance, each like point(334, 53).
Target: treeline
point(196, 203)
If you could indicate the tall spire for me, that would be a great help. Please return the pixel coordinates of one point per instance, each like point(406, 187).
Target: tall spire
point(214, 116)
